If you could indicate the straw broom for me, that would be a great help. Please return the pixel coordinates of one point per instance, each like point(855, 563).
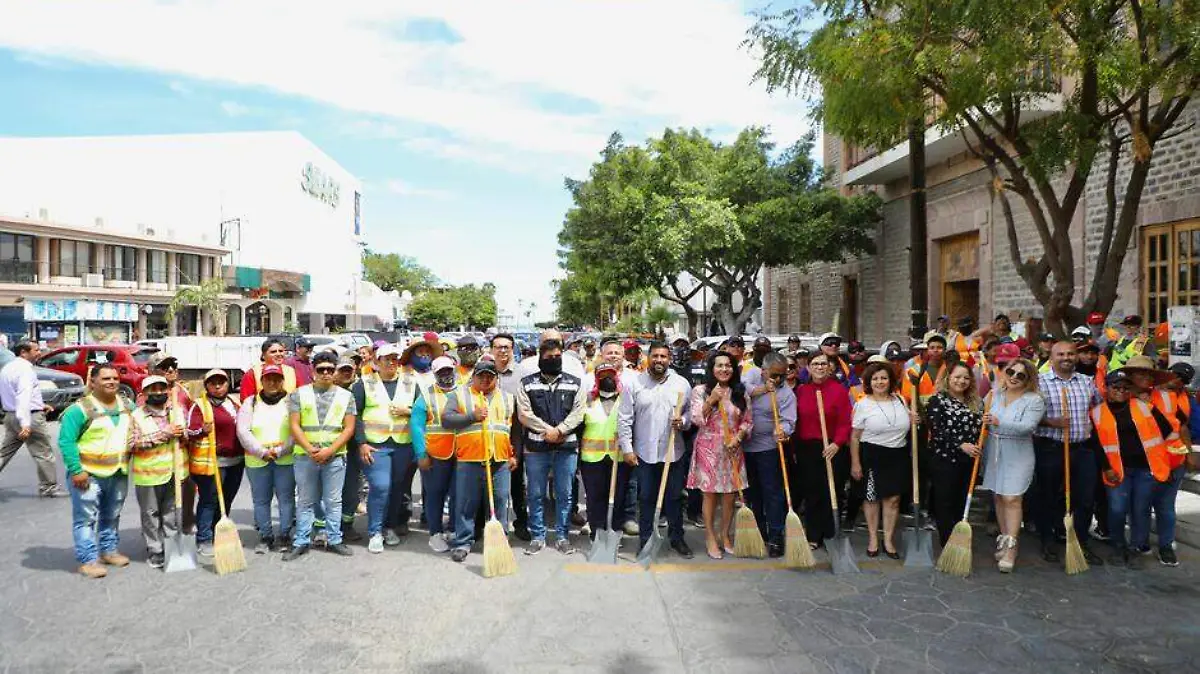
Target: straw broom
point(498, 559)
point(956, 555)
point(747, 539)
point(796, 552)
point(1075, 561)
point(228, 555)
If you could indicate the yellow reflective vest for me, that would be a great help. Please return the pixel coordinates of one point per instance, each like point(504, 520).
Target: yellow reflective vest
point(599, 432)
point(270, 426)
point(319, 432)
point(104, 445)
point(151, 467)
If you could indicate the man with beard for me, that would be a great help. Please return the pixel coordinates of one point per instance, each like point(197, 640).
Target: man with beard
point(649, 415)
point(550, 407)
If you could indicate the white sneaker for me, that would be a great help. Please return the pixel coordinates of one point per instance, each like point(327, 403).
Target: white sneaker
point(375, 545)
point(438, 543)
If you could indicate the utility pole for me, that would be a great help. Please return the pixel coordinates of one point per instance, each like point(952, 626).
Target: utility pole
point(917, 250)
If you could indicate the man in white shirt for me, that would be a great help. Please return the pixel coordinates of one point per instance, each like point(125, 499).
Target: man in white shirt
point(25, 417)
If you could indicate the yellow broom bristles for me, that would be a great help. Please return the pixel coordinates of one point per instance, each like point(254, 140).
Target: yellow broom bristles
point(498, 559)
point(747, 539)
point(228, 556)
point(797, 554)
point(1075, 561)
point(956, 555)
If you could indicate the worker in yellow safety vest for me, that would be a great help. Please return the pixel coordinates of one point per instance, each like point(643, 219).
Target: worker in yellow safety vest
point(155, 458)
point(94, 442)
point(433, 444)
point(322, 418)
point(483, 418)
point(265, 432)
point(1133, 343)
point(468, 349)
point(599, 450)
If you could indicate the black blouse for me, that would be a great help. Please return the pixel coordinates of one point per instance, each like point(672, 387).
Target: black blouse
point(951, 423)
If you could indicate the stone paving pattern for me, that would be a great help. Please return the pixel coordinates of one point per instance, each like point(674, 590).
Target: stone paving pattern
point(410, 610)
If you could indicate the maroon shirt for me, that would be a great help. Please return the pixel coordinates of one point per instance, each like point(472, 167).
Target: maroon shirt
point(224, 426)
point(838, 411)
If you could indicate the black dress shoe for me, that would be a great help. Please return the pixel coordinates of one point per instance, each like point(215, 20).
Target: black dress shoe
point(341, 549)
point(1049, 554)
point(774, 550)
point(295, 553)
point(682, 548)
point(1092, 558)
point(522, 532)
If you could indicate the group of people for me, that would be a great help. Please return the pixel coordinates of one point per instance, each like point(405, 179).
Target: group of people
point(578, 425)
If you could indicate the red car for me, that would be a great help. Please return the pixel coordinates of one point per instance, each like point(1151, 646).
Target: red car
point(130, 360)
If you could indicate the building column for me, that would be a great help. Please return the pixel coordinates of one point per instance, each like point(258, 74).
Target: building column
point(141, 323)
point(141, 268)
point(42, 255)
point(172, 273)
point(205, 268)
point(99, 258)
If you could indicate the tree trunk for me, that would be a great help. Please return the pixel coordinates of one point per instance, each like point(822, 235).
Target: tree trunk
point(917, 255)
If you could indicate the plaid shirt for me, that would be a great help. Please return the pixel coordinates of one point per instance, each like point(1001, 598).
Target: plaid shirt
point(1082, 396)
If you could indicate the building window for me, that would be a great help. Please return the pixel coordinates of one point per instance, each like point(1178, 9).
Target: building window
point(805, 307)
point(783, 311)
point(74, 258)
point(189, 269)
point(16, 258)
point(121, 264)
point(156, 266)
point(1170, 268)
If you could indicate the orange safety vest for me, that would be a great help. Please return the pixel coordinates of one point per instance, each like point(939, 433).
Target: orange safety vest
point(202, 452)
point(1149, 432)
point(289, 377)
point(1168, 403)
point(926, 386)
point(487, 439)
point(439, 442)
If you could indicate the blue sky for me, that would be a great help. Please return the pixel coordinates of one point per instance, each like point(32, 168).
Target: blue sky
point(461, 118)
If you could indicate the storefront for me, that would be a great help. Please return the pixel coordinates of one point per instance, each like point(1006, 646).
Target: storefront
point(57, 323)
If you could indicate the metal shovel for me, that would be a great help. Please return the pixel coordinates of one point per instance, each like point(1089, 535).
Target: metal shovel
point(604, 548)
point(649, 551)
point(918, 543)
point(841, 555)
point(179, 550)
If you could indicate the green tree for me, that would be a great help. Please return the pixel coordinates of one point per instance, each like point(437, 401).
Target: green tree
point(437, 310)
point(657, 318)
point(391, 271)
point(207, 298)
point(686, 213)
point(1134, 67)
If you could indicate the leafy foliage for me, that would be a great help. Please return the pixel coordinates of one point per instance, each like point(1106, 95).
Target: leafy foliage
point(685, 212)
point(391, 271)
point(207, 298)
point(444, 309)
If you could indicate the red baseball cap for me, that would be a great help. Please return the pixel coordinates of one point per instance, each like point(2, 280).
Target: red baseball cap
point(1006, 353)
point(430, 336)
point(272, 369)
point(1095, 318)
point(631, 344)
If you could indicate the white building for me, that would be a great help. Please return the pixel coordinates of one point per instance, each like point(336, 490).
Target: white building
point(289, 216)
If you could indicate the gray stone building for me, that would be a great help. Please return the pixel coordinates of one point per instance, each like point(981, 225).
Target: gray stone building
point(970, 269)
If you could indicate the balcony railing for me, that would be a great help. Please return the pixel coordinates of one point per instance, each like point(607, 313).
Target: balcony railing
point(156, 275)
point(13, 271)
point(120, 274)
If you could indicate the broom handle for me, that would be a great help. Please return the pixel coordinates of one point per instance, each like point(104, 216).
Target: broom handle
point(983, 432)
point(487, 459)
point(1066, 449)
point(175, 458)
point(612, 479)
point(916, 484)
point(662, 483)
point(787, 488)
point(737, 482)
point(828, 463)
point(212, 442)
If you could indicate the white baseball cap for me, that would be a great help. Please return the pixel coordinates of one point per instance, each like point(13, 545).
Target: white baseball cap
point(388, 350)
point(152, 380)
point(443, 362)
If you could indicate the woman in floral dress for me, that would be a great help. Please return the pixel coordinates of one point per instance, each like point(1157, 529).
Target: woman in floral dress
point(718, 409)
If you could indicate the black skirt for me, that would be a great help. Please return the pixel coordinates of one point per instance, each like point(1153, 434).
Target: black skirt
point(886, 471)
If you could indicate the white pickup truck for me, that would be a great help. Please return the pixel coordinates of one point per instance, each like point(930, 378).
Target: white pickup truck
point(197, 354)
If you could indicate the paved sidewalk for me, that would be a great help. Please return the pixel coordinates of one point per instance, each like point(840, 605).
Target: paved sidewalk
point(413, 611)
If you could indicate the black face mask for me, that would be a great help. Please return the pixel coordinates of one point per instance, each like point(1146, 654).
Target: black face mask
point(156, 399)
point(608, 385)
point(445, 379)
point(1084, 368)
point(550, 366)
point(272, 398)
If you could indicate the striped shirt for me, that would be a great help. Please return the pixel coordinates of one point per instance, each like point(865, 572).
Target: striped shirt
point(1082, 396)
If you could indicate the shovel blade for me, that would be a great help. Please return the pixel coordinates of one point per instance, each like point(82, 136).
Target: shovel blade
point(918, 549)
point(180, 553)
point(604, 548)
point(841, 556)
point(651, 549)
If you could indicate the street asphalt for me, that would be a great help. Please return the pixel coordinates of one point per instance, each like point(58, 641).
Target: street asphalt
point(411, 610)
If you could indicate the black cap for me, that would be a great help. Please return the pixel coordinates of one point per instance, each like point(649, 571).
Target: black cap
point(679, 339)
point(802, 353)
point(1088, 346)
point(1184, 371)
point(485, 366)
point(305, 342)
point(762, 340)
point(1045, 337)
point(1117, 376)
point(736, 340)
point(466, 340)
point(855, 346)
point(793, 338)
point(1131, 319)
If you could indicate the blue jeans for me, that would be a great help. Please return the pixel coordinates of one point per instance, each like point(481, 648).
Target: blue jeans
point(96, 516)
point(379, 486)
point(537, 471)
point(764, 492)
point(278, 482)
point(469, 487)
point(436, 484)
point(324, 483)
point(648, 476)
point(399, 507)
point(206, 498)
point(1163, 502)
point(352, 485)
point(1130, 499)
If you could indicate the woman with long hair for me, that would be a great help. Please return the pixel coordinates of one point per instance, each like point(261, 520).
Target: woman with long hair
point(879, 455)
point(954, 416)
point(718, 409)
point(1014, 413)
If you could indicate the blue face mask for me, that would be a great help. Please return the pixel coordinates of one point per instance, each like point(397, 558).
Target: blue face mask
point(422, 363)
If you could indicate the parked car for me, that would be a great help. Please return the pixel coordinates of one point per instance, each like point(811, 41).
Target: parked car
point(59, 389)
point(130, 360)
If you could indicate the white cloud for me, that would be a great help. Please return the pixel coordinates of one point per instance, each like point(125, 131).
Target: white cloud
point(637, 66)
point(406, 189)
point(234, 109)
point(180, 88)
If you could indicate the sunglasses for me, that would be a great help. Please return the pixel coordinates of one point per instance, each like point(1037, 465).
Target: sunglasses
point(167, 368)
point(323, 370)
point(1015, 373)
